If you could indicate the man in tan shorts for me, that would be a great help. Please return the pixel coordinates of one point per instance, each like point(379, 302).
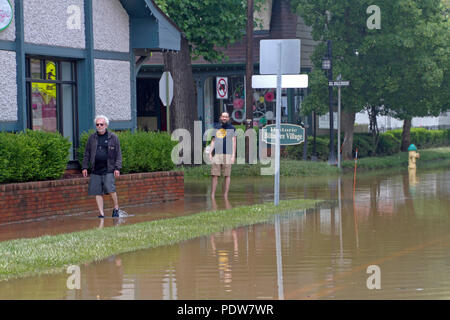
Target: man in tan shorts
point(224, 145)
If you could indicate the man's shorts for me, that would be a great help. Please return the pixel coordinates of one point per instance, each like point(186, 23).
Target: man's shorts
point(221, 163)
point(101, 184)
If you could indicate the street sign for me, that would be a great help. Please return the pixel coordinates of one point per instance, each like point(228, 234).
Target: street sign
point(287, 81)
point(222, 87)
point(270, 57)
point(339, 83)
point(166, 88)
point(290, 134)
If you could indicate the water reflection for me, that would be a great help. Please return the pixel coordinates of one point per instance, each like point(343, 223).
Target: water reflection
point(395, 222)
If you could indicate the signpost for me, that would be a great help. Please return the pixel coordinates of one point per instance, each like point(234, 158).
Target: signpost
point(166, 93)
point(339, 83)
point(278, 58)
point(222, 90)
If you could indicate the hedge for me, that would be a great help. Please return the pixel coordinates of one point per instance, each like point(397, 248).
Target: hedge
point(141, 151)
point(389, 143)
point(32, 156)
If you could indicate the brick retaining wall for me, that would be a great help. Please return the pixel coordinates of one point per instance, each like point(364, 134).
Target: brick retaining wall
point(33, 200)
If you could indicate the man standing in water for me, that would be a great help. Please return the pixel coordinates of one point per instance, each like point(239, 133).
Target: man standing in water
point(104, 154)
point(223, 143)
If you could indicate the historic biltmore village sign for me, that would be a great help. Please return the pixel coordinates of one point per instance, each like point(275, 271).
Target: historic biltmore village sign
point(290, 134)
point(6, 14)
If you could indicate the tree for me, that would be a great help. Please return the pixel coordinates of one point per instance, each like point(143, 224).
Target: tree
point(401, 68)
point(207, 25)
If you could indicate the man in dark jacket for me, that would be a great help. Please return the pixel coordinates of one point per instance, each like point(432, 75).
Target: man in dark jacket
point(105, 157)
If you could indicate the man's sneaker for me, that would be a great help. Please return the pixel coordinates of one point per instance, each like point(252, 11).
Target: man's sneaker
point(115, 213)
point(100, 216)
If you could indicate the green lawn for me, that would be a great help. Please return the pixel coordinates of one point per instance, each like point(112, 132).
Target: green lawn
point(53, 254)
point(434, 157)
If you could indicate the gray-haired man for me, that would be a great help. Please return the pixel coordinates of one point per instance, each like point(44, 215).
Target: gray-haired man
point(104, 154)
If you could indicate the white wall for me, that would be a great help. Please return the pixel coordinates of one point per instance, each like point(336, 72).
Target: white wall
point(111, 26)
point(112, 89)
point(8, 85)
point(389, 122)
point(46, 23)
point(10, 32)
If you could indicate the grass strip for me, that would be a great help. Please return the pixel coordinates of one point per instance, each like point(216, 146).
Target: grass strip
point(53, 254)
point(288, 168)
point(399, 160)
point(293, 168)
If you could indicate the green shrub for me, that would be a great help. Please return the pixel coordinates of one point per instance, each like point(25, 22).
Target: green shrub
point(295, 152)
point(32, 156)
point(363, 142)
point(388, 144)
point(141, 151)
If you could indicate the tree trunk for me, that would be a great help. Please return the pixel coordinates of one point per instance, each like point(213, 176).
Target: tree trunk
point(183, 110)
point(373, 112)
point(348, 126)
point(406, 134)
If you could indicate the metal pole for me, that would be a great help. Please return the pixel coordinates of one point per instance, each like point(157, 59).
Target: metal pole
point(279, 258)
point(277, 132)
point(332, 159)
point(339, 127)
point(167, 102)
point(341, 251)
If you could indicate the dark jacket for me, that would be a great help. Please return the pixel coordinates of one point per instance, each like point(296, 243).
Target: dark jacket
point(114, 152)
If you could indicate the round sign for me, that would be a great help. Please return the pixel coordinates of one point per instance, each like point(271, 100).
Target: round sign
point(6, 14)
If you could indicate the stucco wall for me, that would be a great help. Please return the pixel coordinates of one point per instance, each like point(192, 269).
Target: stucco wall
point(46, 23)
point(8, 85)
point(111, 26)
point(9, 33)
point(112, 89)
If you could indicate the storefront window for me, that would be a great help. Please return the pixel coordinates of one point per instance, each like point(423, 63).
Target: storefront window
point(51, 96)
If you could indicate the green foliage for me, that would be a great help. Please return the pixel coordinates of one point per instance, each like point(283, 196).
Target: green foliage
point(32, 156)
point(207, 24)
point(388, 144)
point(141, 151)
point(405, 64)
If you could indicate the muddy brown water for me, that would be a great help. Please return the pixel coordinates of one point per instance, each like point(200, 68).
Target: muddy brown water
point(391, 223)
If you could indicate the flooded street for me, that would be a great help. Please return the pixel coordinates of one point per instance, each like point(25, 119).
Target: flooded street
point(396, 223)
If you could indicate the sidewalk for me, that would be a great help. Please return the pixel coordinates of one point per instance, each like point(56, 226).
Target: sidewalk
point(192, 203)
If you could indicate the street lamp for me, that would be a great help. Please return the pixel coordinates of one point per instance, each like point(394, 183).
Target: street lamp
point(326, 63)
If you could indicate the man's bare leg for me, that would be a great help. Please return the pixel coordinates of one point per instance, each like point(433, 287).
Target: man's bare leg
point(214, 186)
point(226, 183)
point(99, 200)
point(114, 198)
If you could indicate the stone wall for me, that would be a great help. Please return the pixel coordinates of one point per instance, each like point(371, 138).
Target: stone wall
point(35, 200)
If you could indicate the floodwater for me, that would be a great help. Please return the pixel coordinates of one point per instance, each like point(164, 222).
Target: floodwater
point(387, 238)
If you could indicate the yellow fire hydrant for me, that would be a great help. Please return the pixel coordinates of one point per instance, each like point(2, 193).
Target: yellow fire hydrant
point(413, 156)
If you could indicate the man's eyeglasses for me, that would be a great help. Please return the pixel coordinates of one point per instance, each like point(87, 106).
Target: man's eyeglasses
point(99, 124)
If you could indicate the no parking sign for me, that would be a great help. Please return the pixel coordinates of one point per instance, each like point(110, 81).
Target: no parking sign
point(222, 87)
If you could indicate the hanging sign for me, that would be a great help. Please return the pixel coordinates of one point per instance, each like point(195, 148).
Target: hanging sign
point(6, 14)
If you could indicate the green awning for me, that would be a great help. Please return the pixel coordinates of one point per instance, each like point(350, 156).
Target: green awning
point(151, 29)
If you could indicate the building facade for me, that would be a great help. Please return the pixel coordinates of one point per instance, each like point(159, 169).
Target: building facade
point(64, 61)
point(278, 21)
